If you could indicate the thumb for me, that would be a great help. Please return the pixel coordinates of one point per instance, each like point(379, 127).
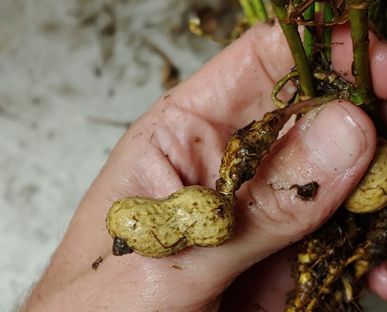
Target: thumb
point(331, 146)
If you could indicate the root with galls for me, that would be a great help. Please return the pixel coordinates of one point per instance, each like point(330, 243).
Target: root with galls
point(332, 262)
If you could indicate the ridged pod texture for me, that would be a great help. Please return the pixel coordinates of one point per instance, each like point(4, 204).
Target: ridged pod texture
point(192, 216)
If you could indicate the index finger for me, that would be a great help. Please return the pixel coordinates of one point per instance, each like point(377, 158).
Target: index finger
point(230, 95)
point(237, 84)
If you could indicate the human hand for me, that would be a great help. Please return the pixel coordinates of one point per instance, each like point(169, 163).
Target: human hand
point(179, 142)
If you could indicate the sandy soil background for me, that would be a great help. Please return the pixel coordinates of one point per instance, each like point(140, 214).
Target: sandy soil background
point(68, 90)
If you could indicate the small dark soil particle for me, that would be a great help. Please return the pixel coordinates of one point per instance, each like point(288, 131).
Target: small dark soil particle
point(96, 263)
point(177, 267)
point(120, 247)
point(307, 191)
point(197, 140)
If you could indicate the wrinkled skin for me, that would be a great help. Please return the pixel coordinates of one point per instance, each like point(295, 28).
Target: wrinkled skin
point(179, 142)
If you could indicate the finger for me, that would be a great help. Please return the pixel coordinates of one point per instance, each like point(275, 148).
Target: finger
point(342, 58)
point(377, 280)
point(237, 83)
point(334, 150)
point(230, 95)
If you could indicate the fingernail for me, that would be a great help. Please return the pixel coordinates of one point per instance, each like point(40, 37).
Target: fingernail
point(334, 139)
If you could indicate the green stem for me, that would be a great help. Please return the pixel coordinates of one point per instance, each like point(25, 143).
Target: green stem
point(254, 11)
point(328, 16)
point(308, 32)
point(260, 10)
point(358, 18)
point(296, 47)
point(279, 85)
